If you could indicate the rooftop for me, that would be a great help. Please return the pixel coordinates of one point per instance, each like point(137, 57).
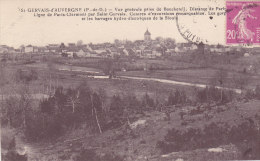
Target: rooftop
point(147, 32)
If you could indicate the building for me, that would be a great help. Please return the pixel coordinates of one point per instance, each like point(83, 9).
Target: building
point(4, 49)
point(28, 49)
point(147, 36)
point(53, 48)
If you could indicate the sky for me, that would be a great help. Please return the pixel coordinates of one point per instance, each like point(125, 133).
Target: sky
point(17, 28)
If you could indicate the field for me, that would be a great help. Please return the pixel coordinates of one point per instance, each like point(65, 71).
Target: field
point(158, 108)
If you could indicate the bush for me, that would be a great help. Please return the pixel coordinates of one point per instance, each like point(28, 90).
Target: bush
point(10, 145)
point(178, 97)
point(14, 156)
point(213, 94)
point(253, 94)
point(90, 155)
point(26, 76)
point(257, 92)
point(87, 155)
point(147, 101)
point(211, 135)
point(63, 111)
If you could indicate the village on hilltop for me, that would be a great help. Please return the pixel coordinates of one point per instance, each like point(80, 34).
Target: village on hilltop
point(146, 48)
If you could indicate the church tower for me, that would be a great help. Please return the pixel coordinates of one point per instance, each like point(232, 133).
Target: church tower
point(147, 36)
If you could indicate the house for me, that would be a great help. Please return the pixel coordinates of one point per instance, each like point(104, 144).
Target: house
point(82, 52)
point(70, 54)
point(22, 49)
point(112, 51)
point(92, 55)
point(138, 52)
point(4, 49)
point(148, 53)
point(100, 53)
point(71, 51)
point(41, 49)
point(216, 50)
point(53, 48)
point(125, 52)
point(156, 53)
point(177, 50)
point(28, 49)
point(130, 52)
point(35, 49)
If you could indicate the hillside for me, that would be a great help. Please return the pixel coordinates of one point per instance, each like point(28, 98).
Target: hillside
point(139, 141)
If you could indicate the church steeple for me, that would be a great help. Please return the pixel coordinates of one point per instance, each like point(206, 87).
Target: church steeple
point(147, 35)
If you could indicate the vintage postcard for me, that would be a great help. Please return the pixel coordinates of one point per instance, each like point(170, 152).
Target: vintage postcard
point(129, 80)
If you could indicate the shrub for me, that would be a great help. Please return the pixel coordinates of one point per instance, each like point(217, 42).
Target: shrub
point(211, 135)
point(90, 155)
point(210, 94)
point(14, 156)
point(147, 101)
point(257, 91)
point(178, 97)
point(26, 76)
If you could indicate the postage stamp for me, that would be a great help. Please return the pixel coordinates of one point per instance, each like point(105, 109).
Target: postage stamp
point(243, 22)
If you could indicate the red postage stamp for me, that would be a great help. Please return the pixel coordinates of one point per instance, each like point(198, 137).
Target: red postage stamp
point(243, 22)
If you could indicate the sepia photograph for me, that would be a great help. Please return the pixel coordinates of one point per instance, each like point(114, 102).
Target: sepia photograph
point(122, 80)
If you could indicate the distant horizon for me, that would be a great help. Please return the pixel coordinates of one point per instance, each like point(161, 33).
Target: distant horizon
point(17, 28)
point(96, 42)
point(83, 42)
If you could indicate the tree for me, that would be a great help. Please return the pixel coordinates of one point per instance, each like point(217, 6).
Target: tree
point(25, 102)
point(2, 79)
point(169, 42)
point(51, 77)
point(73, 99)
point(11, 113)
point(241, 80)
point(159, 39)
point(116, 109)
point(220, 79)
point(147, 101)
point(257, 91)
point(102, 95)
point(97, 109)
point(108, 67)
point(117, 42)
point(62, 47)
point(79, 43)
point(171, 99)
point(60, 98)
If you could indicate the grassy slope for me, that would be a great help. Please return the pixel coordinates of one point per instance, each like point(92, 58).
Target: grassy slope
point(140, 143)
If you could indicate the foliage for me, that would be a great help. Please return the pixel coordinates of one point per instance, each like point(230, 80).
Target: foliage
point(211, 135)
point(147, 102)
point(253, 94)
point(213, 94)
point(178, 97)
point(64, 110)
point(91, 155)
point(26, 76)
point(14, 156)
point(108, 67)
point(257, 92)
